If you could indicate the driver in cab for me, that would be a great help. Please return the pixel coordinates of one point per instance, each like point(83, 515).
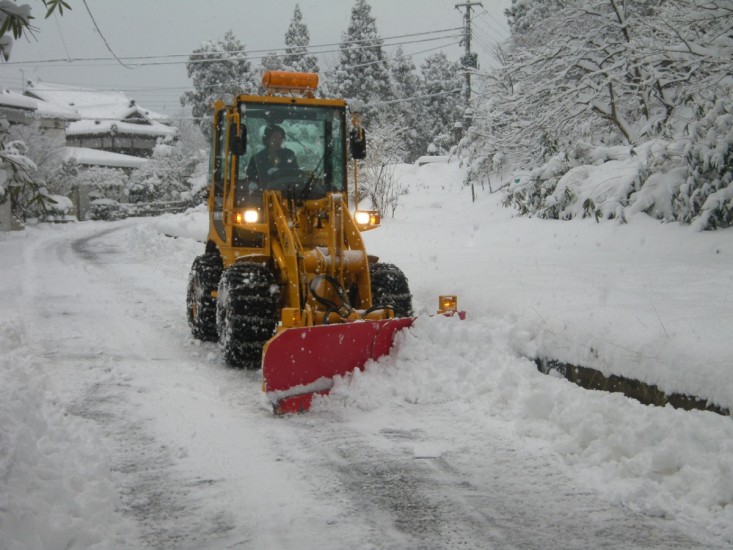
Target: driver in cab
point(274, 160)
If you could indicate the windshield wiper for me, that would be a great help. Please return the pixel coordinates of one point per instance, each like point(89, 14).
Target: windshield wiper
point(316, 173)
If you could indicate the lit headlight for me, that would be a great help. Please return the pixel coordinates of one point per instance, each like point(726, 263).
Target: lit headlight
point(248, 216)
point(362, 218)
point(367, 218)
point(251, 216)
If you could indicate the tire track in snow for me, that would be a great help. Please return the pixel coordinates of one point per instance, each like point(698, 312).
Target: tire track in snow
point(95, 368)
point(415, 481)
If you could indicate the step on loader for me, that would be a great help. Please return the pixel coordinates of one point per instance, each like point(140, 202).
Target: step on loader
point(285, 282)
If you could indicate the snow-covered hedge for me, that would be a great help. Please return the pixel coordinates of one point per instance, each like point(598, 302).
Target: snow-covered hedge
point(106, 209)
point(690, 181)
point(706, 198)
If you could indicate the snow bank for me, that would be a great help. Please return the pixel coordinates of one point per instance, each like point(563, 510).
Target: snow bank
point(660, 461)
point(56, 488)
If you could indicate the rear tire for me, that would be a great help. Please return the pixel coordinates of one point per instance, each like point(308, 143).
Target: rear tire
point(390, 288)
point(247, 312)
point(200, 305)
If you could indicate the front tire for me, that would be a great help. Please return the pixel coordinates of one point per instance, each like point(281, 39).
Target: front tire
point(200, 304)
point(390, 288)
point(247, 312)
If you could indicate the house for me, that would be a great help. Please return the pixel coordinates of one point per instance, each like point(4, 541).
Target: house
point(94, 128)
point(18, 108)
point(108, 121)
point(15, 107)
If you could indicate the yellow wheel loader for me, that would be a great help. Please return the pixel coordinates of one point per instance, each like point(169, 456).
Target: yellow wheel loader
point(285, 282)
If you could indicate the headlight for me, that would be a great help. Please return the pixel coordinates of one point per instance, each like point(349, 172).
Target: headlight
point(248, 216)
point(251, 216)
point(367, 218)
point(362, 218)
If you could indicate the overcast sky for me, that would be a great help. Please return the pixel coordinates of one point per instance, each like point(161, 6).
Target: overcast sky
point(174, 28)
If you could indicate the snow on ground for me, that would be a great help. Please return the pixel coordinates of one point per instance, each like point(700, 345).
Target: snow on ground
point(644, 300)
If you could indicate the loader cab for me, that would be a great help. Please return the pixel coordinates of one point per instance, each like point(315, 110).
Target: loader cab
point(294, 146)
point(309, 164)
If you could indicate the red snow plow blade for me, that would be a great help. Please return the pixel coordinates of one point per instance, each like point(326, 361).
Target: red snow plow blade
point(301, 362)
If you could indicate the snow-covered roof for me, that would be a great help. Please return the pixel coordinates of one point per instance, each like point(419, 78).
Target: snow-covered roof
point(44, 109)
point(107, 126)
point(35, 107)
point(92, 103)
point(94, 157)
point(16, 100)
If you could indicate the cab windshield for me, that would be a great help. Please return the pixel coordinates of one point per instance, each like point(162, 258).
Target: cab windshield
point(293, 148)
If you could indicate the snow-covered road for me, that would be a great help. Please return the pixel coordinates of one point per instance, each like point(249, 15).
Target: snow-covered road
point(196, 460)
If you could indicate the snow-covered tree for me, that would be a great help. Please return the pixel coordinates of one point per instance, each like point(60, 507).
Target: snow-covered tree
point(706, 198)
point(616, 66)
point(104, 184)
point(297, 41)
point(217, 68)
point(28, 196)
point(45, 152)
point(440, 105)
point(406, 109)
point(584, 74)
point(166, 176)
point(379, 182)
point(362, 71)
point(296, 57)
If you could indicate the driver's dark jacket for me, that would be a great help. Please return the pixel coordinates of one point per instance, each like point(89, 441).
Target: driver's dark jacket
point(260, 167)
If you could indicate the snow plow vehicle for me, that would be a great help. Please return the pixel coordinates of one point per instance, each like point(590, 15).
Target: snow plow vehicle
point(285, 282)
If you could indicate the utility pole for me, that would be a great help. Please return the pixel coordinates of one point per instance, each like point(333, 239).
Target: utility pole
point(470, 60)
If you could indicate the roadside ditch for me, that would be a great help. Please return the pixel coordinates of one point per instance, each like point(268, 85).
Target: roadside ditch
point(647, 394)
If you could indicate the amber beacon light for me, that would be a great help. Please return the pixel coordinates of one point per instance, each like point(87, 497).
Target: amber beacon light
point(447, 304)
point(285, 80)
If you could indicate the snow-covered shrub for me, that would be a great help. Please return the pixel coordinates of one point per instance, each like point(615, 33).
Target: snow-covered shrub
point(379, 182)
point(66, 178)
point(166, 176)
point(59, 209)
point(28, 197)
point(536, 195)
point(103, 183)
point(43, 149)
point(144, 187)
point(594, 182)
point(706, 198)
point(106, 209)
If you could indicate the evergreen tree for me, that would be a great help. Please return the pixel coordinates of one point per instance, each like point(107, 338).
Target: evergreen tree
point(406, 85)
point(296, 57)
point(363, 70)
point(297, 40)
point(273, 61)
point(441, 104)
point(217, 68)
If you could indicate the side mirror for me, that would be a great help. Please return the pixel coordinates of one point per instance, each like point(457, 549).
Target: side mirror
point(237, 142)
point(357, 143)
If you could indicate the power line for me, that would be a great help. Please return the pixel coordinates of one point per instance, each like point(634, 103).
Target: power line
point(493, 23)
point(266, 52)
point(61, 34)
point(102, 36)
